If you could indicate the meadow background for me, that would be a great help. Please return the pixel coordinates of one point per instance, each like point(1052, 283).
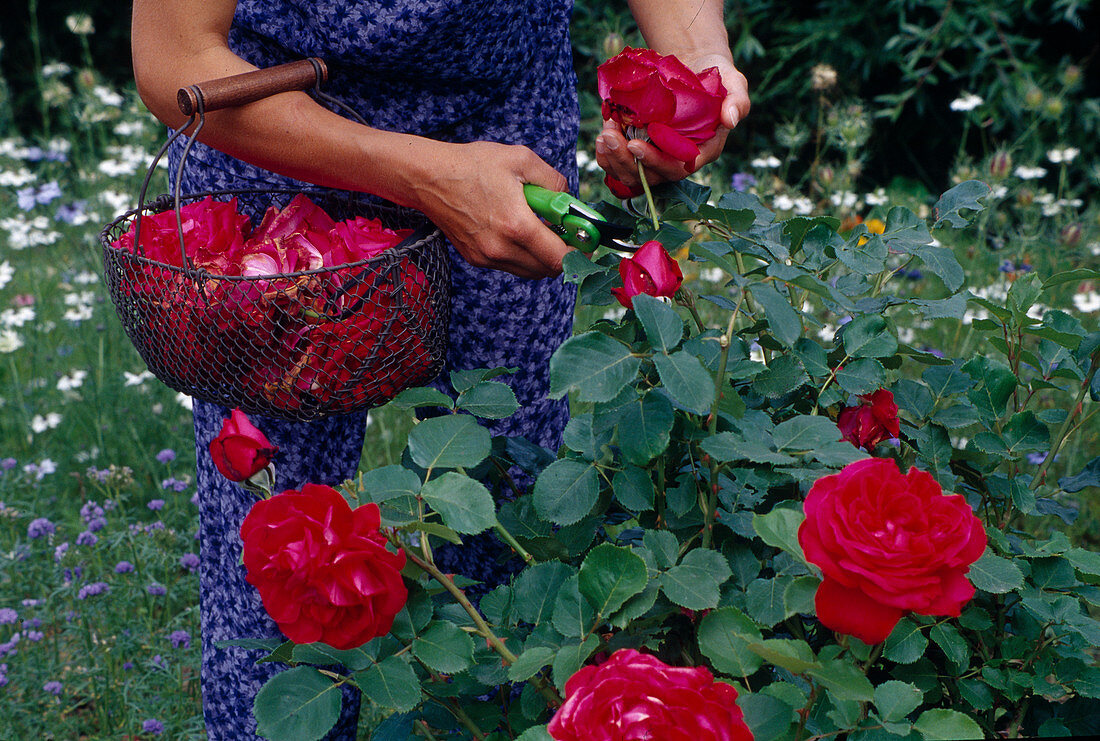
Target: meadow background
point(856, 107)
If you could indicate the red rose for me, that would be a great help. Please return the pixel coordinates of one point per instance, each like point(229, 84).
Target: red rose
point(873, 420)
point(240, 449)
point(651, 270)
point(321, 568)
point(678, 108)
point(361, 238)
point(289, 240)
point(887, 544)
point(637, 696)
point(213, 235)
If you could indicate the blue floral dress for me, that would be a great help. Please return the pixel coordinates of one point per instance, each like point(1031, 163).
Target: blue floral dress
point(452, 70)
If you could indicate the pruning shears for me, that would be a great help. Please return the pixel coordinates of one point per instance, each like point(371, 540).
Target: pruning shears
point(575, 222)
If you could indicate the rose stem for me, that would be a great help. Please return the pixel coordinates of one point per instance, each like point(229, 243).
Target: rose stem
point(548, 692)
point(648, 197)
point(507, 538)
point(712, 427)
point(423, 727)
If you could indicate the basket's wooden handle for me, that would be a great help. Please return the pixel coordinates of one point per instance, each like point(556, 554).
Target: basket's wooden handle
point(252, 86)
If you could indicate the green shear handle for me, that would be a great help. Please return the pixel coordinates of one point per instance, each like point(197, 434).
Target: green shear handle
point(571, 219)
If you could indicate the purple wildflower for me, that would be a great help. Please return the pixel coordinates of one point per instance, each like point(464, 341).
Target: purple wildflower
point(123, 567)
point(158, 662)
point(70, 213)
point(174, 484)
point(153, 726)
point(53, 688)
point(742, 181)
point(87, 538)
point(156, 525)
point(32, 623)
point(34, 635)
point(156, 504)
point(59, 551)
point(31, 602)
point(39, 527)
point(180, 639)
point(90, 510)
point(189, 561)
point(156, 590)
point(8, 463)
point(94, 589)
point(96, 524)
point(127, 666)
point(166, 456)
point(8, 616)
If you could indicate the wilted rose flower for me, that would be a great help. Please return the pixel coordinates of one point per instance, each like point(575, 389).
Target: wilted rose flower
point(360, 239)
point(321, 568)
point(213, 235)
point(289, 240)
point(636, 696)
point(871, 421)
point(678, 108)
point(241, 450)
point(651, 270)
point(887, 544)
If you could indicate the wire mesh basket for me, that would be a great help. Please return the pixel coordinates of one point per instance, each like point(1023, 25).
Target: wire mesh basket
point(292, 345)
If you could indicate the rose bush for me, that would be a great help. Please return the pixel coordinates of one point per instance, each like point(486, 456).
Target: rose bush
point(240, 449)
point(321, 568)
point(871, 421)
point(636, 696)
point(888, 543)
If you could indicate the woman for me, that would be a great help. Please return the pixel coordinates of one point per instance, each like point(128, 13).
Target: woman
point(466, 101)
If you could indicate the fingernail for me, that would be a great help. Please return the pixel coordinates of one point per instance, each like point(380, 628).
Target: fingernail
point(637, 151)
point(601, 145)
point(610, 142)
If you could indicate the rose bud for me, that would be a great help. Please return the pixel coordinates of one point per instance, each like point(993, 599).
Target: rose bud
point(240, 450)
point(871, 421)
point(1000, 165)
point(1071, 234)
point(652, 271)
point(634, 696)
point(887, 543)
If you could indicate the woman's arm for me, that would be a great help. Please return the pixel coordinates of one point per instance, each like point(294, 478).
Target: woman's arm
point(695, 31)
point(473, 192)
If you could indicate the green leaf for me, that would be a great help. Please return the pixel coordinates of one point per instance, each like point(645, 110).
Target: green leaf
point(566, 491)
point(942, 262)
point(298, 704)
point(952, 307)
point(573, 616)
point(947, 637)
point(906, 643)
point(933, 447)
point(536, 590)
point(465, 505)
point(394, 488)
point(914, 397)
point(687, 380)
point(861, 376)
point(867, 336)
point(537, 733)
point(779, 528)
point(844, 680)
point(964, 195)
point(569, 660)
point(529, 663)
point(1088, 476)
point(663, 326)
point(434, 528)
point(422, 396)
point(611, 575)
point(633, 488)
point(766, 600)
point(594, 365)
point(784, 321)
point(947, 725)
point(995, 384)
point(644, 427)
point(729, 446)
point(867, 258)
point(991, 573)
point(576, 266)
point(444, 647)
point(724, 636)
point(904, 229)
point(450, 441)
point(390, 683)
point(466, 379)
point(781, 377)
point(795, 656)
point(894, 700)
point(813, 357)
point(766, 716)
point(1087, 562)
point(1025, 432)
point(804, 433)
point(664, 546)
point(694, 584)
point(1071, 276)
point(489, 400)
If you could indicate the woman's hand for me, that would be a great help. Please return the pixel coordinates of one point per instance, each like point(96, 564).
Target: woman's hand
point(619, 157)
point(474, 193)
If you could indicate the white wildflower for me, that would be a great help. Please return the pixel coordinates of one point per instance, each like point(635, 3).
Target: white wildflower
point(53, 69)
point(10, 341)
point(803, 206)
point(184, 401)
point(7, 272)
point(119, 203)
point(130, 128)
point(966, 102)
point(1029, 173)
point(17, 317)
point(878, 198)
point(116, 168)
point(1087, 303)
point(80, 24)
point(844, 199)
point(85, 278)
point(16, 178)
point(136, 379)
point(72, 381)
point(767, 162)
point(783, 203)
point(1060, 156)
point(40, 424)
point(107, 96)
